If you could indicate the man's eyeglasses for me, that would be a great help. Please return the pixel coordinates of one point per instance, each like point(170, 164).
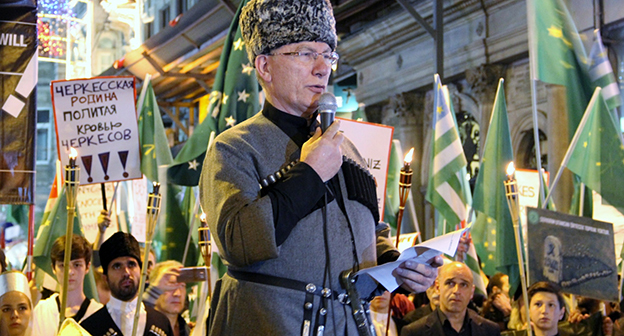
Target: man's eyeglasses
point(311, 56)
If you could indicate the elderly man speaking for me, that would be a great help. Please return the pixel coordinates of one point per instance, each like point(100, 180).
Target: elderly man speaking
point(291, 207)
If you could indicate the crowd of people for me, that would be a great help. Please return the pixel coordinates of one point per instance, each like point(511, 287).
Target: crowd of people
point(26, 311)
point(451, 307)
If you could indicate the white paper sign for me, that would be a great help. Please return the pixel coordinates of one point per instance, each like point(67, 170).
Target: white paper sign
point(374, 142)
point(138, 212)
point(421, 253)
point(89, 204)
point(97, 117)
point(528, 193)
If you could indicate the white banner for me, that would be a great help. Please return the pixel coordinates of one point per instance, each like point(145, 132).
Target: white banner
point(138, 213)
point(528, 193)
point(97, 117)
point(374, 142)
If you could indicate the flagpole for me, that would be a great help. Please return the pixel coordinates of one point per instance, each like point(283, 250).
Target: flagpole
point(191, 228)
point(511, 193)
point(195, 209)
point(573, 143)
point(148, 78)
point(31, 241)
point(581, 199)
point(538, 150)
point(533, 75)
point(153, 210)
point(412, 210)
point(405, 184)
point(72, 181)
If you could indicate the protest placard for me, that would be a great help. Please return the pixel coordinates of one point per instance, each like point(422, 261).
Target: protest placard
point(577, 253)
point(374, 142)
point(89, 203)
point(528, 193)
point(97, 117)
point(138, 212)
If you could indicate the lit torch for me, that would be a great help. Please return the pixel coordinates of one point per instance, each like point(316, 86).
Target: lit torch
point(405, 183)
point(204, 243)
point(511, 191)
point(72, 180)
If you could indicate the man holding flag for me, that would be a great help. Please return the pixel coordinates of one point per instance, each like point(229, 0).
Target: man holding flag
point(288, 212)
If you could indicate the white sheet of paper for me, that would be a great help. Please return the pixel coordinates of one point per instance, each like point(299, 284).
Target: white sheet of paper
point(421, 253)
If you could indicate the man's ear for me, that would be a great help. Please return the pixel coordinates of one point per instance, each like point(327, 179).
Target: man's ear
point(263, 68)
point(87, 268)
point(562, 313)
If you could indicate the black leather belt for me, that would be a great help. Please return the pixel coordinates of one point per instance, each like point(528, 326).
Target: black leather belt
point(309, 289)
point(287, 283)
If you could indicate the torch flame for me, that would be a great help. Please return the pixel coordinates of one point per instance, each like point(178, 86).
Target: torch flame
point(73, 153)
point(408, 156)
point(511, 168)
point(202, 217)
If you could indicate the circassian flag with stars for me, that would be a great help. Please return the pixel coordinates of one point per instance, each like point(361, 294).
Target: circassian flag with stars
point(598, 157)
point(558, 55)
point(233, 99)
point(493, 231)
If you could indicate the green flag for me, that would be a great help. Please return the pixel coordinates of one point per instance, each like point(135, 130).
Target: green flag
point(493, 231)
point(447, 163)
point(598, 155)
point(558, 55)
point(54, 225)
point(234, 98)
point(448, 190)
point(391, 206)
point(155, 150)
point(170, 238)
point(601, 73)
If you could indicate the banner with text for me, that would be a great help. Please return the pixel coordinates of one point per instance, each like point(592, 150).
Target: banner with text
point(376, 153)
point(89, 203)
point(528, 193)
point(138, 213)
point(577, 253)
point(18, 106)
point(97, 117)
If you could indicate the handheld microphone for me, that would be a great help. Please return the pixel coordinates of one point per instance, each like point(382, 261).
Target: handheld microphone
point(327, 108)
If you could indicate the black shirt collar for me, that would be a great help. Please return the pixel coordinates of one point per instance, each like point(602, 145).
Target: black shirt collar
point(297, 128)
point(446, 323)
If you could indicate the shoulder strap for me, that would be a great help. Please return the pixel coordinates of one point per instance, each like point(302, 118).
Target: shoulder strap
point(81, 312)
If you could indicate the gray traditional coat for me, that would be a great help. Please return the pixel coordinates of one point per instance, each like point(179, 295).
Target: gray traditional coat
point(242, 223)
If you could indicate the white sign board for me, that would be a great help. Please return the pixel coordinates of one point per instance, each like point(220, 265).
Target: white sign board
point(89, 204)
point(610, 214)
point(97, 117)
point(138, 212)
point(374, 142)
point(528, 193)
